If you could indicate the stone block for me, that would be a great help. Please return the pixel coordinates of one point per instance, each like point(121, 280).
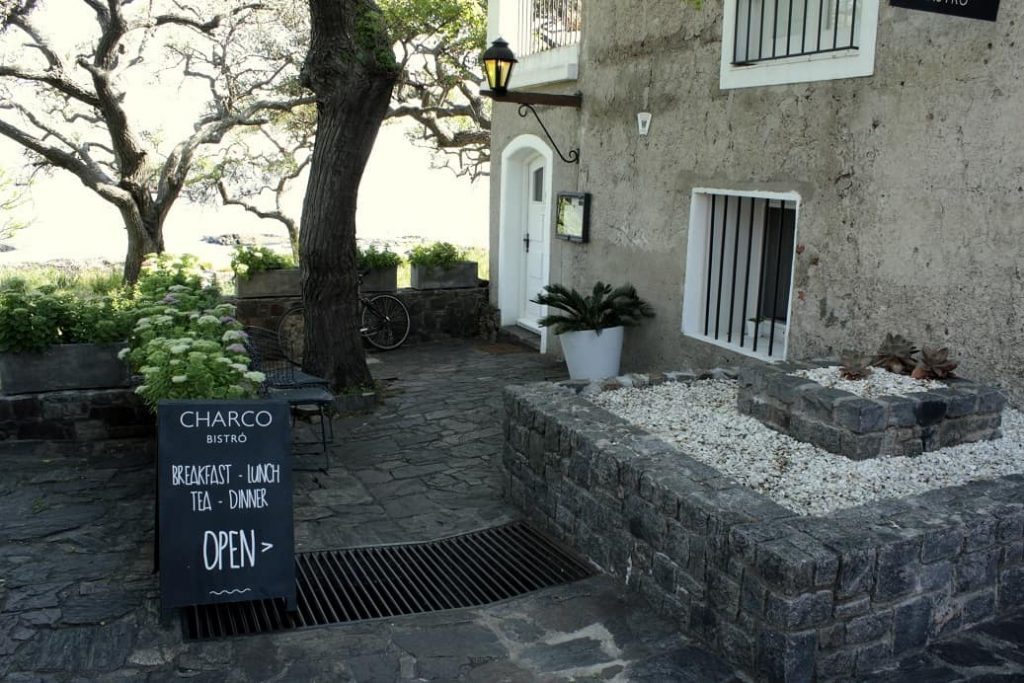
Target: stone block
point(898, 566)
point(928, 411)
point(820, 403)
point(869, 627)
point(860, 415)
point(1010, 593)
point(990, 400)
point(804, 611)
point(860, 446)
point(978, 607)
point(837, 665)
point(869, 656)
point(856, 573)
point(911, 624)
point(899, 411)
point(851, 608)
point(960, 403)
point(787, 388)
point(784, 566)
point(786, 656)
point(975, 571)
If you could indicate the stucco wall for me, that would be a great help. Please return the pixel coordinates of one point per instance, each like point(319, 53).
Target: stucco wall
point(912, 180)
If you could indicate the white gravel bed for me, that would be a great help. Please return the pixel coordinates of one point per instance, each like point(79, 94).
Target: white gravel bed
point(880, 382)
point(702, 420)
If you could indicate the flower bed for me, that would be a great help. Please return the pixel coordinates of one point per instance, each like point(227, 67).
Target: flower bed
point(784, 597)
point(859, 428)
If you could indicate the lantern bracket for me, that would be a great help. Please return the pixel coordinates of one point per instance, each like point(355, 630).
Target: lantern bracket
point(526, 100)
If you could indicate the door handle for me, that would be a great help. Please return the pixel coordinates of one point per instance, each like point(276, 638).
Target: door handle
point(526, 242)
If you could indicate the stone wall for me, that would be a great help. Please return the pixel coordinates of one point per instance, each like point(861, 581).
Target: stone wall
point(785, 598)
point(435, 314)
point(861, 428)
point(82, 415)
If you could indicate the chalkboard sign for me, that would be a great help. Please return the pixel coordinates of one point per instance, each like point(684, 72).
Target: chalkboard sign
point(985, 10)
point(225, 502)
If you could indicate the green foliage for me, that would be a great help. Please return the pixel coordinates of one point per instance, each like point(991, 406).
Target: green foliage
point(12, 197)
point(443, 255)
point(603, 308)
point(187, 343)
point(374, 259)
point(68, 277)
point(248, 260)
point(33, 321)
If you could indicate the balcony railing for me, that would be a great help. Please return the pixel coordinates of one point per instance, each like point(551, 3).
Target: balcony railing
point(776, 29)
point(547, 25)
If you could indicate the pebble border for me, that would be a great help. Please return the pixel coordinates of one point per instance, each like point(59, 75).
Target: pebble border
point(783, 597)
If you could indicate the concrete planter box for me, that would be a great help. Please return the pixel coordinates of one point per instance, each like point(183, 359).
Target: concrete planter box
point(62, 368)
point(267, 283)
point(460, 275)
point(381, 280)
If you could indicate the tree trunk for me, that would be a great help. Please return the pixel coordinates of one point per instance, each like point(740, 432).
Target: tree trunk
point(144, 237)
point(351, 69)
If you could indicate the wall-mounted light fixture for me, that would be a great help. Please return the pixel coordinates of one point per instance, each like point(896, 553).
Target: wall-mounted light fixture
point(498, 63)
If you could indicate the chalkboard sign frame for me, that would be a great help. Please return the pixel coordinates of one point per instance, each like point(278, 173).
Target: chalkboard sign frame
point(224, 502)
point(984, 10)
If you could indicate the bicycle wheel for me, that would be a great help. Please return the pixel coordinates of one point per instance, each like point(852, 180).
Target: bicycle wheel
point(385, 321)
point(291, 333)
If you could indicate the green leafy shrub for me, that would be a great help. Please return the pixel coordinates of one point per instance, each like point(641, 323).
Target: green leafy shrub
point(31, 322)
point(372, 259)
point(248, 260)
point(186, 343)
point(443, 255)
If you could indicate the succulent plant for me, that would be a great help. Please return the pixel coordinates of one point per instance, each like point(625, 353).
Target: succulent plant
point(896, 354)
point(934, 364)
point(854, 366)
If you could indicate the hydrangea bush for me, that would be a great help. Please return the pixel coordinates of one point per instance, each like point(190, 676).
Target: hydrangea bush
point(187, 343)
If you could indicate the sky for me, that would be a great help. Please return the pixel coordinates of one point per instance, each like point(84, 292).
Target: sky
point(400, 195)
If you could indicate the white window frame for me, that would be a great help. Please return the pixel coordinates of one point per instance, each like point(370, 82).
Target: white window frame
point(824, 66)
point(695, 285)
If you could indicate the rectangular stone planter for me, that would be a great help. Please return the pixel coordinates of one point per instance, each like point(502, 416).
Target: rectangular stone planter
point(269, 283)
point(381, 280)
point(62, 368)
point(783, 597)
point(461, 275)
point(860, 428)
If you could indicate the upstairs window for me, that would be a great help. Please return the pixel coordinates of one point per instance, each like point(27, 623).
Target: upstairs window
point(768, 42)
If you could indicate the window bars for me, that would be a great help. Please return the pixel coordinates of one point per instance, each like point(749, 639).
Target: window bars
point(776, 29)
point(547, 24)
point(748, 266)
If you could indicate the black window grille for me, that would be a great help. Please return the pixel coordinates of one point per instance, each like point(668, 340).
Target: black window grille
point(547, 25)
point(748, 267)
point(776, 29)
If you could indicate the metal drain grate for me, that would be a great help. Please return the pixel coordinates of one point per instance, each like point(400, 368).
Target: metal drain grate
point(337, 586)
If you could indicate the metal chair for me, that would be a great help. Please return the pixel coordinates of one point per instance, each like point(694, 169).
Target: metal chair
point(287, 381)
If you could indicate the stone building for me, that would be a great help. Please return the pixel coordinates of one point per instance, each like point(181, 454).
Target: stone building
point(814, 175)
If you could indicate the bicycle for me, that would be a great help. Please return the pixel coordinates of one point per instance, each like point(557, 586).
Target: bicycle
point(384, 324)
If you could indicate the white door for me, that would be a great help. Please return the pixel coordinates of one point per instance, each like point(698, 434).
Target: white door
point(533, 244)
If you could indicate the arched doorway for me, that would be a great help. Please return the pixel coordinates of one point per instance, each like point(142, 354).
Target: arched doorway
point(525, 231)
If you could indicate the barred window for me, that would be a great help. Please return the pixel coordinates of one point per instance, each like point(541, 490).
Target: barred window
point(739, 272)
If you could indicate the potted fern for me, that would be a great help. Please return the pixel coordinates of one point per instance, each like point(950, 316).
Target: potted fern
point(591, 327)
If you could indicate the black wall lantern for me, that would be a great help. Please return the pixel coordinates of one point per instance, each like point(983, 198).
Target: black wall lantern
point(498, 62)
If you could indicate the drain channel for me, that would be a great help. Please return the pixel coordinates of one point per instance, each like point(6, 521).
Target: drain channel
point(337, 586)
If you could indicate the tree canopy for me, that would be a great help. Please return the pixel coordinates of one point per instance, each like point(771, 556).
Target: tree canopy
point(70, 93)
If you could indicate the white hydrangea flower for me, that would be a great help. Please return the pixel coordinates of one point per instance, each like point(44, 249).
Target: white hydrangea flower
point(179, 348)
point(141, 388)
point(241, 367)
point(208, 319)
point(255, 376)
point(177, 288)
point(123, 353)
point(225, 360)
point(232, 335)
point(178, 379)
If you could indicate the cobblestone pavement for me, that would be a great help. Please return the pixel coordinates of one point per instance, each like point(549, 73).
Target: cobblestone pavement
point(78, 600)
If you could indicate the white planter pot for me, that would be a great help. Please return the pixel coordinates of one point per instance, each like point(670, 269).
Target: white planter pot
point(590, 355)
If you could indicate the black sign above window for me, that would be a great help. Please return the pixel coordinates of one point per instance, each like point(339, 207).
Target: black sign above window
point(985, 10)
point(225, 502)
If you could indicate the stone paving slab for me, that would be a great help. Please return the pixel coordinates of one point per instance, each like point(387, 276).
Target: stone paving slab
point(79, 601)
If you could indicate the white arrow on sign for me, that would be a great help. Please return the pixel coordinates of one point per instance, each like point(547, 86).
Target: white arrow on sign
point(266, 546)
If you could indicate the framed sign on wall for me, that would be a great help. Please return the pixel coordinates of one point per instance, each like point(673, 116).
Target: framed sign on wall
point(572, 221)
point(985, 10)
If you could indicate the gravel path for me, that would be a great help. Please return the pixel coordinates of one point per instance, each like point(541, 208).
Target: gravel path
point(702, 420)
